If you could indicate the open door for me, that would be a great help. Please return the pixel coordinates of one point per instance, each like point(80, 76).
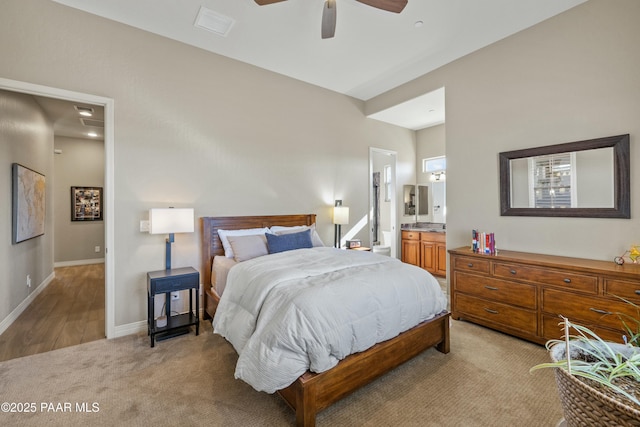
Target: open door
point(382, 199)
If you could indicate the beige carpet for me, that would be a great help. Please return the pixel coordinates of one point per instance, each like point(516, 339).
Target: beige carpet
point(484, 381)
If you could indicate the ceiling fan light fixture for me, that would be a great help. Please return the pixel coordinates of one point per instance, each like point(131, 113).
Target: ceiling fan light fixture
point(210, 20)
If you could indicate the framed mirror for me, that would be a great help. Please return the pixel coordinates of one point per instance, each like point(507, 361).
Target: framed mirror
point(588, 179)
point(409, 198)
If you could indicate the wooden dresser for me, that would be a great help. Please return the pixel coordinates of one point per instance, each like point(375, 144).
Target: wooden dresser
point(524, 294)
point(425, 249)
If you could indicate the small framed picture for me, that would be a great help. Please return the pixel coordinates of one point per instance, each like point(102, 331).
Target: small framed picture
point(86, 203)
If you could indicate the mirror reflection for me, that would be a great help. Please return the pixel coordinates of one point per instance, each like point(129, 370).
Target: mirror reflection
point(423, 200)
point(564, 180)
point(409, 198)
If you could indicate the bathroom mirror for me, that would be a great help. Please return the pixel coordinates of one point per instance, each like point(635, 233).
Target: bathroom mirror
point(589, 179)
point(423, 200)
point(409, 199)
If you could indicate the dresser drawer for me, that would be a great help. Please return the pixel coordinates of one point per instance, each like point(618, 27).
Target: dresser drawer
point(496, 290)
point(170, 284)
point(567, 280)
point(583, 309)
point(411, 235)
point(471, 264)
point(622, 289)
point(553, 330)
point(494, 312)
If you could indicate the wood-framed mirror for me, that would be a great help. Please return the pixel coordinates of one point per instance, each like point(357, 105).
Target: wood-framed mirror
point(588, 179)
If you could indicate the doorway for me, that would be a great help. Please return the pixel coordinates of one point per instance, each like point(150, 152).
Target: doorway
point(108, 198)
point(382, 199)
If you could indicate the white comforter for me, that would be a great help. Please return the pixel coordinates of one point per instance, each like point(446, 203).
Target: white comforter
point(307, 309)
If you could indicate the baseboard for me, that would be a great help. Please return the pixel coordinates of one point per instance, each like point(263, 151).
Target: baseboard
point(130, 328)
point(136, 327)
point(7, 321)
point(78, 262)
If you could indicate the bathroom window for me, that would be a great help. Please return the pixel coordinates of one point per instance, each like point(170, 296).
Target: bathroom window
point(434, 164)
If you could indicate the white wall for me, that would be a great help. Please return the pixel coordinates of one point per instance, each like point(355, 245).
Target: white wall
point(570, 78)
point(199, 130)
point(26, 137)
point(430, 142)
point(81, 164)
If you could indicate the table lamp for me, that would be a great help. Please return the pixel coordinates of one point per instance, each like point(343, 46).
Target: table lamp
point(170, 221)
point(340, 217)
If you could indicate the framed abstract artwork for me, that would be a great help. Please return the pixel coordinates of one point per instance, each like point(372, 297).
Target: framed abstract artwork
point(28, 203)
point(86, 203)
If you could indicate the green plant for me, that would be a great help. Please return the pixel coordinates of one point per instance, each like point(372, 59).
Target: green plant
point(586, 355)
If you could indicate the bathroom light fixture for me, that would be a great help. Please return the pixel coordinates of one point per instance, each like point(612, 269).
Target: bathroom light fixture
point(437, 176)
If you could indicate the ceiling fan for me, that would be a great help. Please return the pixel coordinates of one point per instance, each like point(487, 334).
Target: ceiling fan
point(329, 11)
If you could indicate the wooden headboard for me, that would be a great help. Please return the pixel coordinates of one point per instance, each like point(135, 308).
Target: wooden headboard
point(212, 246)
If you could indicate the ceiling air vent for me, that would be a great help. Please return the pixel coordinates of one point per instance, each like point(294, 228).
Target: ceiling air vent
point(212, 21)
point(92, 122)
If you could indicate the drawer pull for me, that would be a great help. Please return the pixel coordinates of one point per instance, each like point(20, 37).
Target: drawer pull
point(491, 288)
point(470, 265)
point(637, 291)
point(488, 310)
point(512, 271)
point(600, 311)
point(567, 280)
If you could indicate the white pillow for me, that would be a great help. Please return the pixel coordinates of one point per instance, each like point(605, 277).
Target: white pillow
point(228, 251)
point(315, 238)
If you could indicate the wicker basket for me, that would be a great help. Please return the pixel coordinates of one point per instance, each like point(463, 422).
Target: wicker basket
point(588, 403)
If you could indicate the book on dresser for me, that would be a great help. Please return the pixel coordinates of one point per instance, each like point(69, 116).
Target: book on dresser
point(524, 294)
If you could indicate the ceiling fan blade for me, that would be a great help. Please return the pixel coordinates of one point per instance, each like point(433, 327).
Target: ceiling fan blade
point(266, 2)
point(329, 19)
point(389, 5)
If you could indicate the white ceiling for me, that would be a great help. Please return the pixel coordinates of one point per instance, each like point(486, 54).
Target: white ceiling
point(372, 52)
point(67, 121)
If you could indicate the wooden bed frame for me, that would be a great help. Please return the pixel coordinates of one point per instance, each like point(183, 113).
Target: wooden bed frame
point(312, 392)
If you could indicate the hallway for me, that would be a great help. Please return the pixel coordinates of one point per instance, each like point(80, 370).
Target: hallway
point(68, 312)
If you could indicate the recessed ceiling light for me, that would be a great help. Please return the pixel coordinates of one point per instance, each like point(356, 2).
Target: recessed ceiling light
point(92, 134)
point(418, 24)
point(84, 111)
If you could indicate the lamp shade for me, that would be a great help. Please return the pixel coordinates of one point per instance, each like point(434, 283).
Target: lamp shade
point(341, 215)
point(170, 220)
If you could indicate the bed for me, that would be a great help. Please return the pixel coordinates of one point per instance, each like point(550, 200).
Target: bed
point(312, 392)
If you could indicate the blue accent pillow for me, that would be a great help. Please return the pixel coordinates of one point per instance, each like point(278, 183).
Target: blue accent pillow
point(288, 242)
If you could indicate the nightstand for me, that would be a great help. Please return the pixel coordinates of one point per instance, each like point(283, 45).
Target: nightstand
point(165, 282)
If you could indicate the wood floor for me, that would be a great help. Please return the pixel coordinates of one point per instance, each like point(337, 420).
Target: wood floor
point(68, 312)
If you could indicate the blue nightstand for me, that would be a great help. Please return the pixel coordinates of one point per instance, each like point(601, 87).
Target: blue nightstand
point(165, 282)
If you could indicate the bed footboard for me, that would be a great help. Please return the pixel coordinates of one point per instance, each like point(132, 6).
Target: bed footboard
point(312, 393)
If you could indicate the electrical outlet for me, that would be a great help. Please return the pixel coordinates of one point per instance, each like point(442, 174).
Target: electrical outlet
point(97, 249)
point(28, 281)
point(175, 295)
